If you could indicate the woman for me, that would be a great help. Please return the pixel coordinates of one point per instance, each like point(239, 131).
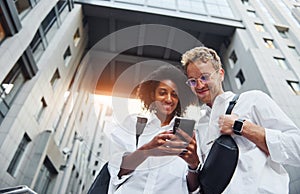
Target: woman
point(160, 162)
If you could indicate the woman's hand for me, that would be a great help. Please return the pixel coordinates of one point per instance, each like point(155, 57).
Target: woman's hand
point(191, 158)
point(164, 144)
point(190, 153)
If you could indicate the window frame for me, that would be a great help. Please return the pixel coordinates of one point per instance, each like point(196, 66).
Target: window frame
point(269, 43)
point(292, 84)
point(25, 11)
point(7, 97)
point(259, 27)
point(281, 62)
point(35, 44)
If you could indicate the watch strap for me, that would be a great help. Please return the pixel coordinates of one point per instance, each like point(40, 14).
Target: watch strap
point(197, 170)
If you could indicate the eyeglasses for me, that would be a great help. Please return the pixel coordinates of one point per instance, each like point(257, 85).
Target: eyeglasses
point(204, 78)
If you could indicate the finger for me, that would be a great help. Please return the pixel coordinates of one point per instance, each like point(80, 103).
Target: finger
point(183, 153)
point(166, 136)
point(221, 120)
point(176, 144)
point(167, 132)
point(171, 151)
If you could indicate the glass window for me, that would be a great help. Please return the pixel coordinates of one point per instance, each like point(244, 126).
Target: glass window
point(269, 43)
point(76, 37)
point(282, 34)
point(240, 79)
point(193, 6)
point(166, 4)
point(41, 110)
point(282, 31)
point(63, 9)
point(12, 168)
point(55, 78)
point(281, 63)
point(23, 7)
point(259, 27)
point(50, 25)
point(219, 8)
point(232, 59)
point(294, 51)
point(45, 180)
point(67, 56)
point(9, 89)
point(37, 46)
point(245, 2)
point(251, 13)
point(294, 85)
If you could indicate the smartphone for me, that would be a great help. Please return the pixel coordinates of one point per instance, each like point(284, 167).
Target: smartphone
point(184, 124)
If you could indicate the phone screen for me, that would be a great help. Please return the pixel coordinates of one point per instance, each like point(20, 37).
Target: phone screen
point(184, 124)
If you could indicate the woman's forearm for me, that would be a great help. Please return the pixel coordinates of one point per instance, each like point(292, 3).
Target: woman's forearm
point(131, 161)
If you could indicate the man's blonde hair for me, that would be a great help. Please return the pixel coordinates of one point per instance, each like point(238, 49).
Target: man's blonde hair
point(201, 54)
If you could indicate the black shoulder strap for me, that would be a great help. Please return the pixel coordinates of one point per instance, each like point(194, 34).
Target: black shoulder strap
point(232, 104)
point(140, 126)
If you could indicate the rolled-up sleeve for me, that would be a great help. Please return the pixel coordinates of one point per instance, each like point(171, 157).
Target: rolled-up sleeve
point(114, 168)
point(282, 135)
point(122, 142)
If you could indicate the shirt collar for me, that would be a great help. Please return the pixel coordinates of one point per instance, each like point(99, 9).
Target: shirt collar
point(222, 98)
point(152, 119)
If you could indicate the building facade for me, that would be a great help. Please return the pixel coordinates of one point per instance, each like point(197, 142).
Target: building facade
point(41, 45)
point(56, 54)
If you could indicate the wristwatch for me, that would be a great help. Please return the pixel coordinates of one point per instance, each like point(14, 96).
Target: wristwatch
point(238, 126)
point(197, 170)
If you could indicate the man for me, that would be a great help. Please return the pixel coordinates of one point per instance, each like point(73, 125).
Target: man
point(266, 137)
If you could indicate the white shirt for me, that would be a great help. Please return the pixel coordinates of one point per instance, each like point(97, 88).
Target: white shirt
point(155, 175)
point(255, 172)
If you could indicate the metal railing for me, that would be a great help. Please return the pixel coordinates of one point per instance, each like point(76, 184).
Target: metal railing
point(22, 189)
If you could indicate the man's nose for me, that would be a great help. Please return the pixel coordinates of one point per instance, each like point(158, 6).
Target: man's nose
point(200, 84)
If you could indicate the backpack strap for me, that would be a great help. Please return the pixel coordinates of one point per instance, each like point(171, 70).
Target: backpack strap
point(140, 126)
point(232, 104)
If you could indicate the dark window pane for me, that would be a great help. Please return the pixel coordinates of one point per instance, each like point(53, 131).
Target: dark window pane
point(49, 21)
point(61, 5)
point(18, 155)
point(37, 46)
point(45, 177)
point(233, 57)
point(23, 6)
point(241, 77)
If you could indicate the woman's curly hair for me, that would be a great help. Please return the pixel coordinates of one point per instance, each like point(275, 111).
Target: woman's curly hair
point(146, 89)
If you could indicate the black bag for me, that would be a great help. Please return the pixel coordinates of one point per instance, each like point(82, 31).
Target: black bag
point(221, 162)
point(101, 183)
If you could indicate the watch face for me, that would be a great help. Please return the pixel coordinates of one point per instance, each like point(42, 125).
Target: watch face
point(238, 126)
